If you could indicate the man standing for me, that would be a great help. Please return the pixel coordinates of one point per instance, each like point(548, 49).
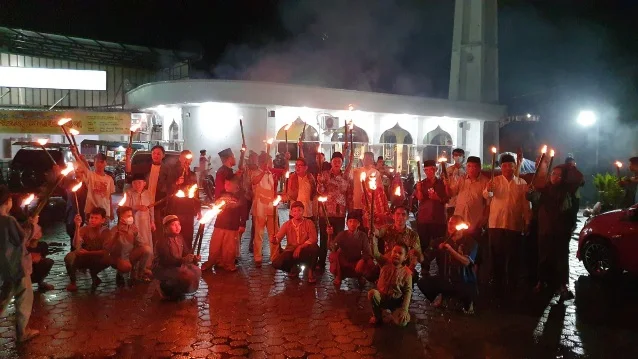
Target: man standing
point(156, 181)
point(204, 162)
point(358, 189)
point(455, 172)
point(228, 161)
point(302, 187)
point(630, 184)
point(510, 215)
point(180, 177)
point(99, 184)
point(264, 182)
point(432, 197)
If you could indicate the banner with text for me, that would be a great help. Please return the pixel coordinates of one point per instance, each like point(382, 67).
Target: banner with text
point(46, 122)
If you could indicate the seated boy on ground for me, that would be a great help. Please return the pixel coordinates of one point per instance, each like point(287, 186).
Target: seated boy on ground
point(394, 287)
point(175, 266)
point(90, 251)
point(350, 255)
point(301, 244)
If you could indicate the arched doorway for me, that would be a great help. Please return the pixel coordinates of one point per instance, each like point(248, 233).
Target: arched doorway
point(436, 141)
point(311, 138)
point(173, 135)
point(396, 143)
point(359, 138)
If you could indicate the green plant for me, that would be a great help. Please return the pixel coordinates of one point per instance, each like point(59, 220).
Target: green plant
point(609, 190)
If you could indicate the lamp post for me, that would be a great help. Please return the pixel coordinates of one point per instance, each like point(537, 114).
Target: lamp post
point(588, 118)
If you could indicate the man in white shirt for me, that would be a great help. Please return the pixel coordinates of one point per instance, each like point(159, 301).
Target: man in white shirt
point(455, 172)
point(156, 181)
point(510, 215)
point(100, 186)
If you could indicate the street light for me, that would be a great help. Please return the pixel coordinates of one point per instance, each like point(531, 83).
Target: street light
point(586, 119)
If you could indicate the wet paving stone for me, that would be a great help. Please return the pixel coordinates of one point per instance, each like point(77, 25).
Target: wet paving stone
point(261, 313)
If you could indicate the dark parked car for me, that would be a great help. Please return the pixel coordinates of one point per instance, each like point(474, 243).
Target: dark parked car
point(142, 157)
point(30, 170)
point(608, 243)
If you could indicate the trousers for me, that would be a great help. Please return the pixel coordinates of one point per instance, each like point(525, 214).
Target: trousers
point(22, 291)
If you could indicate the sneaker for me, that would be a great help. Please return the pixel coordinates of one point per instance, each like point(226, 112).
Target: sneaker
point(28, 335)
point(43, 287)
point(437, 301)
point(72, 287)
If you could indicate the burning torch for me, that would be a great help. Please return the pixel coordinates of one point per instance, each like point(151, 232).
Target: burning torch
point(540, 161)
point(42, 142)
point(74, 133)
point(275, 203)
point(322, 203)
point(443, 161)
point(493, 161)
point(61, 123)
point(372, 183)
point(26, 202)
point(134, 129)
point(551, 161)
point(75, 194)
point(199, 236)
point(618, 167)
point(42, 201)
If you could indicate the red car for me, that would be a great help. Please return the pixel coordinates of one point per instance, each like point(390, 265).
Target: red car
point(608, 243)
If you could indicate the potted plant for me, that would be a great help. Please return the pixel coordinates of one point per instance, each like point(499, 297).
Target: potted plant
point(610, 193)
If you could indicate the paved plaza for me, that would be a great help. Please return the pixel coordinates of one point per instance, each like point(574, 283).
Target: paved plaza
point(261, 313)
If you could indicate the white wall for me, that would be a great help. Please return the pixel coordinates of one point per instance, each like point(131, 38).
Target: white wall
point(215, 126)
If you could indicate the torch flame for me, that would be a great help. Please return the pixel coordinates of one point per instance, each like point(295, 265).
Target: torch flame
point(270, 141)
point(191, 191)
point(417, 158)
point(287, 174)
point(322, 199)
point(544, 150)
point(461, 226)
point(362, 176)
point(318, 148)
point(74, 132)
point(67, 170)
point(217, 208)
point(618, 164)
point(551, 153)
point(288, 126)
point(122, 201)
point(63, 121)
point(350, 107)
point(397, 191)
point(43, 141)
point(443, 159)
point(275, 203)
point(494, 150)
point(28, 200)
point(78, 186)
point(135, 127)
point(189, 156)
point(180, 194)
point(373, 183)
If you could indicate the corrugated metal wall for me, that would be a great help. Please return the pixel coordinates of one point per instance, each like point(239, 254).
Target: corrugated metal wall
point(118, 81)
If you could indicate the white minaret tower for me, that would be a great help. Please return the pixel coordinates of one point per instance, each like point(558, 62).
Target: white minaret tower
point(474, 70)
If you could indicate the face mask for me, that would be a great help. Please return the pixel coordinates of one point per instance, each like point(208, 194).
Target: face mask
point(128, 221)
point(458, 159)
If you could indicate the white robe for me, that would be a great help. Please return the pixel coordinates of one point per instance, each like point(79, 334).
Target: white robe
point(143, 219)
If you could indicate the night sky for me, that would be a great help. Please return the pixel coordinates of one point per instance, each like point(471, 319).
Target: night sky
point(556, 56)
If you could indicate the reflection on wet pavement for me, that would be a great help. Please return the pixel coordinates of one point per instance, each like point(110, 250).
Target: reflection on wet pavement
point(258, 313)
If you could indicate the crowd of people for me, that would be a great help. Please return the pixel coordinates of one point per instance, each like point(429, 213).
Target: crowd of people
point(469, 229)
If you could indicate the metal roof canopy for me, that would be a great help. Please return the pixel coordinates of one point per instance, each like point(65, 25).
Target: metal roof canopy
point(33, 43)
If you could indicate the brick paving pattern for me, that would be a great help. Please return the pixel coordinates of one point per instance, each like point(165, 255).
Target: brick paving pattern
point(261, 313)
